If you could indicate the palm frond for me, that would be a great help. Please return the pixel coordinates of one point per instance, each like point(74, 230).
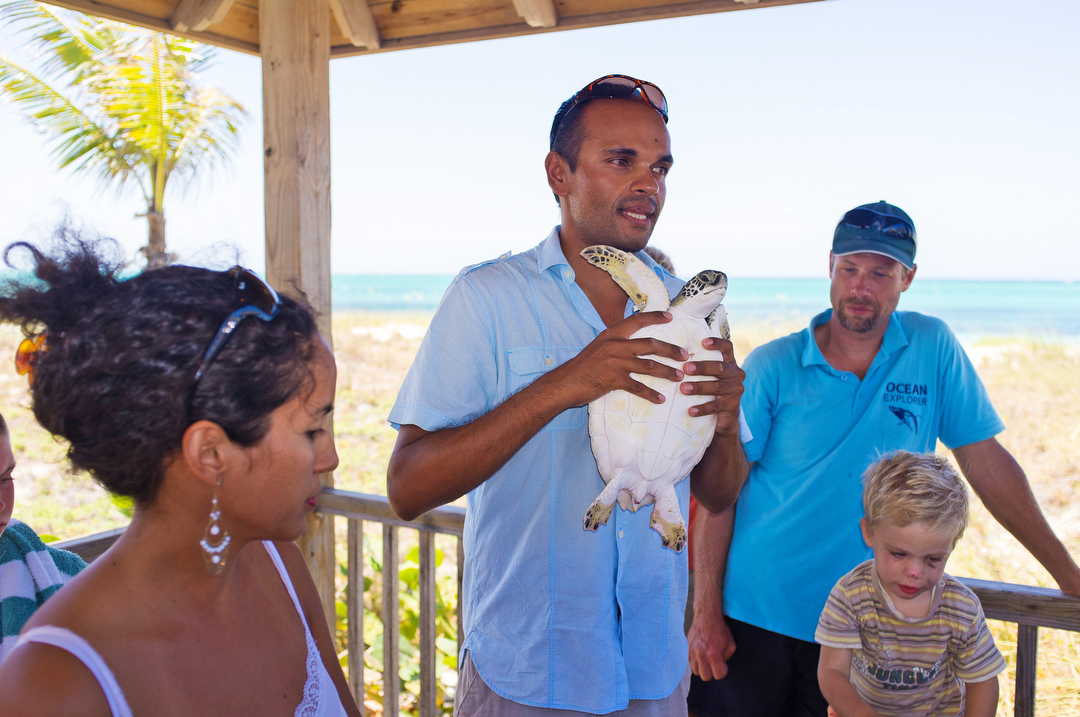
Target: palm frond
point(67, 42)
point(80, 142)
point(155, 99)
point(206, 135)
point(130, 108)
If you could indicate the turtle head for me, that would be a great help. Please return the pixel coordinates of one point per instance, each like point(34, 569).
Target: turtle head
point(702, 294)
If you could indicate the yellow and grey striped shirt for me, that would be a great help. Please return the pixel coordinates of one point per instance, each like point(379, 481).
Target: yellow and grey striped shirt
point(909, 666)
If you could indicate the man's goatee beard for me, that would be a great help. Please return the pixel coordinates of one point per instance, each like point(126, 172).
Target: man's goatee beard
point(858, 326)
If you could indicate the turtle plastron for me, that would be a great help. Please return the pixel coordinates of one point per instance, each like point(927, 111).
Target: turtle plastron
point(644, 449)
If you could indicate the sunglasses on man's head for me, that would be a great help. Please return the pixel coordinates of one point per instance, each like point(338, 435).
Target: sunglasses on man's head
point(891, 226)
point(619, 87)
point(256, 298)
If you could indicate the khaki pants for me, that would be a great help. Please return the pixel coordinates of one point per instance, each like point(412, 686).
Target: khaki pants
point(475, 699)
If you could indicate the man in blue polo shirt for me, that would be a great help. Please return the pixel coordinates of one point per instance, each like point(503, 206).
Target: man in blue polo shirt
point(823, 404)
point(559, 620)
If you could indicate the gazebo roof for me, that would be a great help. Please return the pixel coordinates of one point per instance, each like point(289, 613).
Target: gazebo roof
point(363, 26)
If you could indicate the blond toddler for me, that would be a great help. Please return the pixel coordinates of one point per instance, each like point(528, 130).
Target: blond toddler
point(898, 636)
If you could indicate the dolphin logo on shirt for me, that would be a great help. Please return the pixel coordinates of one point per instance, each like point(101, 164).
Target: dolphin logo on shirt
point(906, 417)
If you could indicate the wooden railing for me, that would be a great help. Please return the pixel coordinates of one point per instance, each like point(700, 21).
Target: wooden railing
point(1029, 607)
point(360, 507)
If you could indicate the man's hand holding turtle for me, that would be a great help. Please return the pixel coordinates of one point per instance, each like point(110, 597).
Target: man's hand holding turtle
point(727, 386)
point(606, 363)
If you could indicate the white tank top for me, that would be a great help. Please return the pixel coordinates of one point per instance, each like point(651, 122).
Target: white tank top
point(320, 693)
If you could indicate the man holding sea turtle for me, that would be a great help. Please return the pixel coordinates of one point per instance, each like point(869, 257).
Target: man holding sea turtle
point(862, 380)
point(557, 619)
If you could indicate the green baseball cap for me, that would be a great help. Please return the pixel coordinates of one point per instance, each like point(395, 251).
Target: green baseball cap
point(878, 228)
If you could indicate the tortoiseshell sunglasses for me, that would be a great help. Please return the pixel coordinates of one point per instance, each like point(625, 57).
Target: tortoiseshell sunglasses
point(621, 86)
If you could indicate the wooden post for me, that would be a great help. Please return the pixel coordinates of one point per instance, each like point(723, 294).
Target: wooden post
point(428, 628)
point(1027, 650)
point(354, 597)
point(391, 623)
point(294, 41)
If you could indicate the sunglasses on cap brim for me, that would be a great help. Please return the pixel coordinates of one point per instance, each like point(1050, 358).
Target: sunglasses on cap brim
point(890, 226)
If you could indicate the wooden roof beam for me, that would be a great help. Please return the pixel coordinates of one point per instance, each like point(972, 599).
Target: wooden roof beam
point(198, 15)
point(537, 13)
point(356, 22)
point(156, 24)
point(573, 22)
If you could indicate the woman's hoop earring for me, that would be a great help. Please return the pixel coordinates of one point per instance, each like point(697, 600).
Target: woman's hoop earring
point(215, 540)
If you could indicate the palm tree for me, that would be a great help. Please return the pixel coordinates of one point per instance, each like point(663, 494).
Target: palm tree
point(120, 103)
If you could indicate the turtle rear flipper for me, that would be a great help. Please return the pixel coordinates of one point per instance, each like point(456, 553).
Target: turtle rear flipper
point(600, 510)
point(667, 520)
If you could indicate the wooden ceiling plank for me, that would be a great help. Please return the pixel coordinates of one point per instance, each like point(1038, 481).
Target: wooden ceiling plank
point(685, 9)
point(198, 14)
point(356, 22)
point(131, 17)
point(438, 16)
point(454, 21)
point(537, 13)
point(218, 14)
point(241, 23)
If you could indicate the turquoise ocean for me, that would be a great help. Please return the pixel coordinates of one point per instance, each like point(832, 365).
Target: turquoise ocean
point(1048, 311)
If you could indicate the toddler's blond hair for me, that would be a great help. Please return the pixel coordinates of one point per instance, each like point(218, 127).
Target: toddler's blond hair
point(905, 488)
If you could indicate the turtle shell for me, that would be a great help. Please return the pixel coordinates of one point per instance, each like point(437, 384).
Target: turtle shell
point(663, 440)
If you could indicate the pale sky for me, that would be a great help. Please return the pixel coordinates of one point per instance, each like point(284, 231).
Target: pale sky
point(964, 113)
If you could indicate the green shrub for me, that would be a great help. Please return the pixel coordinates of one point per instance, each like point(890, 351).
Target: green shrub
point(408, 630)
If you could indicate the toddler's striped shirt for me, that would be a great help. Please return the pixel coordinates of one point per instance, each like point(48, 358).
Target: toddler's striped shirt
point(909, 666)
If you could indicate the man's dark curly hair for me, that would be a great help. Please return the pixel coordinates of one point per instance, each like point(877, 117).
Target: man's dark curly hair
point(116, 378)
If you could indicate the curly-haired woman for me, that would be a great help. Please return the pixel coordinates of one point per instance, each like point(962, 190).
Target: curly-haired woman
point(206, 398)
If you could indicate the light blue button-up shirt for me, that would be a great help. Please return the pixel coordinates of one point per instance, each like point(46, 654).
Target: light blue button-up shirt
point(554, 615)
point(816, 430)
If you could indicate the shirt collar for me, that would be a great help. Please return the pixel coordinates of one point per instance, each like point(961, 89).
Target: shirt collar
point(551, 255)
point(935, 597)
point(811, 353)
point(894, 340)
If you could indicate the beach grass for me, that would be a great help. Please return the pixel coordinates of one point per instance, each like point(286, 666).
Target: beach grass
point(1032, 384)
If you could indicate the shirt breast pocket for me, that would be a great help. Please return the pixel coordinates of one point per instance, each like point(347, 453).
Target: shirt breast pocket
point(530, 363)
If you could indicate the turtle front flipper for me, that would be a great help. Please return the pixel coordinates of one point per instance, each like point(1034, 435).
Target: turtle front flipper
point(641, 284)
point(718, 323)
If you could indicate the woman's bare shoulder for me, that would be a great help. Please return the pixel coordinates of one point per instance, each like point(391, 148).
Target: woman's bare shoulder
point(303, 583)
point(293, 558)
point(43, 680)
point(83, 605)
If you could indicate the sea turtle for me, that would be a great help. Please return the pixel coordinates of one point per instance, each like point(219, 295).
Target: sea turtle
point(643, 449)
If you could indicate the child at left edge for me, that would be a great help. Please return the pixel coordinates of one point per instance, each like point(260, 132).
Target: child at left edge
point(30, 571)
point(898, 636)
